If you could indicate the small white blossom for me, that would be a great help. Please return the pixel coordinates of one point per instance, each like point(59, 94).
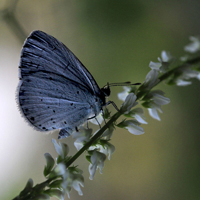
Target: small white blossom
point(186, 73)
point(132, 126)
point(153, 111)
point(128, 103)
point(163, 63)
point(122, 95)
point(61, 148)
point(151, 79)
point(159, 98)
point(155, 65)
point(138, 114)
point(108, 132)
point(58, 170)
point(82, 136)
point(109, 149)
point(154, 101)
point(97, 161)
point(73, 178)
point(106, 148)
point(194, 46)
point(183, 83)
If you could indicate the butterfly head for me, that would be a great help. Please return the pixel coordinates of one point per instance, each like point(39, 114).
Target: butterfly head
point(106, 90)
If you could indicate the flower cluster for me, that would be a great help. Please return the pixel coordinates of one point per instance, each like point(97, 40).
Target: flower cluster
point(61, 177)
point(98, 151)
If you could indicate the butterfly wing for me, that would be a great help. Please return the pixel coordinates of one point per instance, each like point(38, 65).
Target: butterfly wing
point(56, 90)
point(44, 52)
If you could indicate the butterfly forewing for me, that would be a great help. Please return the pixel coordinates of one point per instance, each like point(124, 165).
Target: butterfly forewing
point(43, 52)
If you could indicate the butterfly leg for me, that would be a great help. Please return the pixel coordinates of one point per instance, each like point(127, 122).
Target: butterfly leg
point(114, 105)
point(96, 120)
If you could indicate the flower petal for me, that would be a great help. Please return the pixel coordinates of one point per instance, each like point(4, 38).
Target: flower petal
point(128, 103)
point(122, 95)
point(153, 113)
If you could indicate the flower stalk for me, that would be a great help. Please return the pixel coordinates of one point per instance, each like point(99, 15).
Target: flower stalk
point(62, 176)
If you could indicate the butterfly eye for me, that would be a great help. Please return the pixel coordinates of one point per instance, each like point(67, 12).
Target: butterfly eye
point(106, 90)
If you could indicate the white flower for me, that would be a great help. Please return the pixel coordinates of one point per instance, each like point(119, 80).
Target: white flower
point(98, 118)
point(105, 147)
point(108, 132)
point(159, 98)
point(154, 100)
point(163, 63)
point(122, 95)
point(180, 82)
point(82, 136)
point(186, 73)
point(73, 178)
point(61, 148)
point(132, 126)
point(153, 111)
point(128, 103)
point(108, 149)
point(97, 161)
point(58, 170)
point(151, 79)
point(194, 46)
point(138, 114)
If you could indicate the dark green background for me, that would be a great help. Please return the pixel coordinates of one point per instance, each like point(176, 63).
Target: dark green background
point(115, 40)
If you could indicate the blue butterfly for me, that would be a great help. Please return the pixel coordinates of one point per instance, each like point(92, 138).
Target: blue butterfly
point(56, 91)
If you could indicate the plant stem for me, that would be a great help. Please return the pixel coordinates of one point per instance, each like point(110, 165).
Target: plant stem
point(166, 75)
point(170, 72)
point(94, 138)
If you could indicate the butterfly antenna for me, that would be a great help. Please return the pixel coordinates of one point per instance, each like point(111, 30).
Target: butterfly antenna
point(128, 83)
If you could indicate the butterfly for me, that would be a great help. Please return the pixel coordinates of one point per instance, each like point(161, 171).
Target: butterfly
point(55, 90)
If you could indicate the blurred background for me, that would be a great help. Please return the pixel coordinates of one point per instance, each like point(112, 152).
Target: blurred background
point(115, 40)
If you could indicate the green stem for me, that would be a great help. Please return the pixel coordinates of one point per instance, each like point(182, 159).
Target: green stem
point(111, 121)
point(94, 138)
point(118, 114)
point(170, 72)
point(166, 75)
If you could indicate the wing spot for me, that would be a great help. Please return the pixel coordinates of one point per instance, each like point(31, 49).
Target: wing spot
point(72, 104)
point(77, 92)
point(26, 109)
point(43, 127)
point(51, 119)
point(65, 122)
point(47, 106)
point(54, 122)
point(41, 99)
point(32, 118)
point(54, 111)
point(50, 78)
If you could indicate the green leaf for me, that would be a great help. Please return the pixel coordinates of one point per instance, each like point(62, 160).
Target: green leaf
point(49, 164)
point(27, 188)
